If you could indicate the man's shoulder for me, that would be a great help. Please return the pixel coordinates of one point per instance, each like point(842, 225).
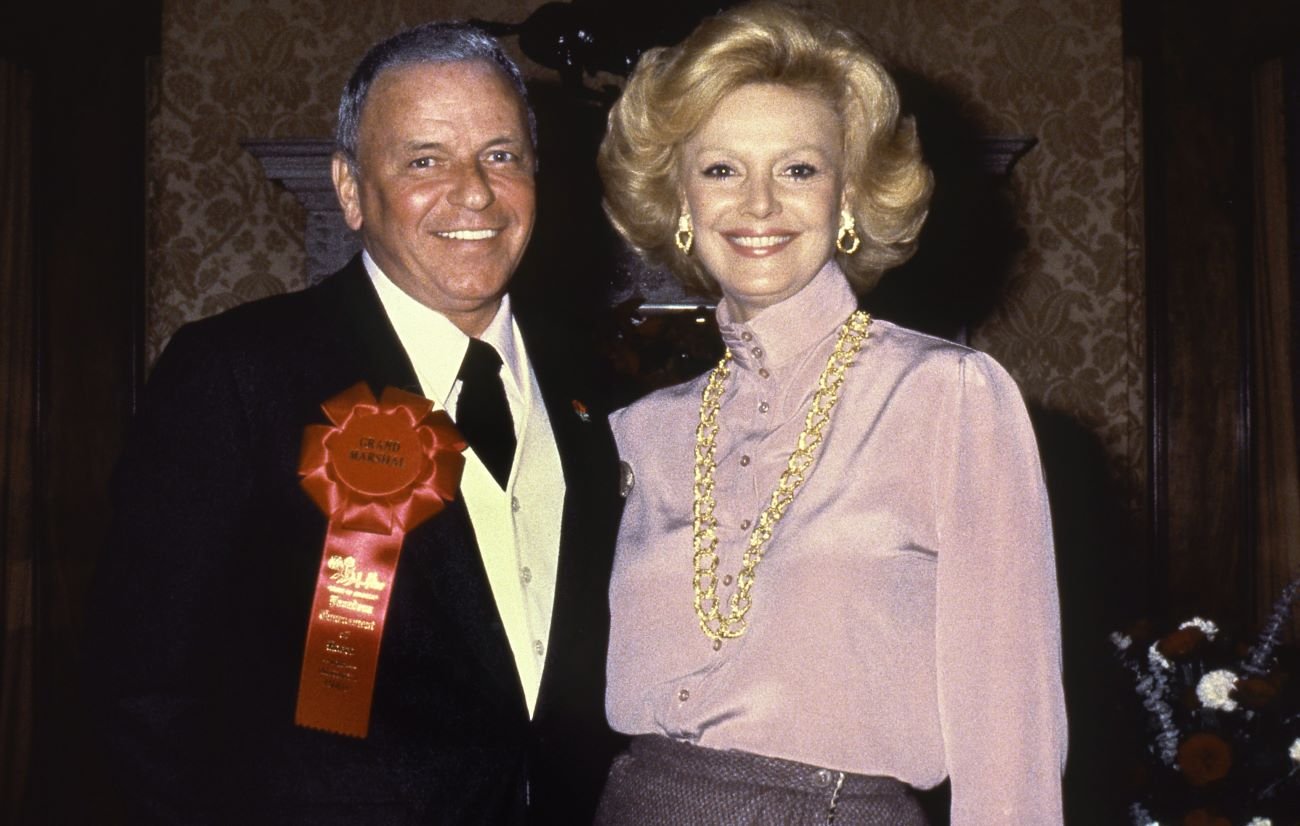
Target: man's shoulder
point(274, 321)
point(310, 341)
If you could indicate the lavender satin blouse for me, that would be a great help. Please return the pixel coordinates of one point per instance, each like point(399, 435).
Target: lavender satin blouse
point(904, 618)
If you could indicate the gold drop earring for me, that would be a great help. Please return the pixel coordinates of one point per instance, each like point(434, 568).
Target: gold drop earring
point(685, 235)
point(847, 240)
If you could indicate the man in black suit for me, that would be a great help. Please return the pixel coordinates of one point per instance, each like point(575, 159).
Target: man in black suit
point(209, 638)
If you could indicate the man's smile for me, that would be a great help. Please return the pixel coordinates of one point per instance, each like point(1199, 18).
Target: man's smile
point(468, 234)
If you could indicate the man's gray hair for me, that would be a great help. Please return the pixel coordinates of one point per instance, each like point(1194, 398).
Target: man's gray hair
point(437, 42)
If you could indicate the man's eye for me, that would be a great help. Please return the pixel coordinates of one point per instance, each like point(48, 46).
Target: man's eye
point(502, 156)
point(719, 170)
point(801, 171)
point(423, 163)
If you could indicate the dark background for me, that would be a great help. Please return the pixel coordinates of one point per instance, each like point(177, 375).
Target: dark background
point(84, 309)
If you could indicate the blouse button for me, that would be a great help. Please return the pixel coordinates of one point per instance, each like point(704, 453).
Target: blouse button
point(822, 777)
point(763, 407)
point(683, 695)
point(744, 460)
point(747, 336)
point(717, 645)
point(762, 371)
point(758, 352)
point(726, 580)
point(744, 524)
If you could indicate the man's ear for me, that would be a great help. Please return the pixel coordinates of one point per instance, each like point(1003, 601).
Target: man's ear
point(346, 187)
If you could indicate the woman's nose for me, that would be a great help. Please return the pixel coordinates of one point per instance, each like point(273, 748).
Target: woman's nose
point(760, 198)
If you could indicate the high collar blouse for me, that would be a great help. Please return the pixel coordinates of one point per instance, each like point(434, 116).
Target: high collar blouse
point(904, 618)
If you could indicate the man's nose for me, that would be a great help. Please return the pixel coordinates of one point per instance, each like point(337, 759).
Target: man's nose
point(471, 189)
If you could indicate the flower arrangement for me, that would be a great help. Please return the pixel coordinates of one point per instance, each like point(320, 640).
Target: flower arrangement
point(1223, 722)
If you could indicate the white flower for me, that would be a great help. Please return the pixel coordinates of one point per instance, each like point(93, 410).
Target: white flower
point(1295, 750)
point(1140, 816)
point(1260, 821)
point(1207, 627)
point(1157, 659)
point(1215, 690)
point(1121, 641)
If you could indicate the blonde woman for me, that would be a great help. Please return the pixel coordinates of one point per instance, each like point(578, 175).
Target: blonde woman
point(834, 581)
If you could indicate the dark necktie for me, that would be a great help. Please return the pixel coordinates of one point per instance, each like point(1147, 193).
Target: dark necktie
point(482, 413)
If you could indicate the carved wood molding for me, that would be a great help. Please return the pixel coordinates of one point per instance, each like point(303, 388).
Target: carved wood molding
point(303, 167)
point(1000, 153)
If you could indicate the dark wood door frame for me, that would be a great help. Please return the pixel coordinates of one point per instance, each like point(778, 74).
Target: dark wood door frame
point(1198, 60)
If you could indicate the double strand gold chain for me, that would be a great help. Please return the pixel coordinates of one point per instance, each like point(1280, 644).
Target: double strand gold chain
point(713, 622)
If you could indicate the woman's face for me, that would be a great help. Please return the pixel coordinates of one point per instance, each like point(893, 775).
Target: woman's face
point(763, 178)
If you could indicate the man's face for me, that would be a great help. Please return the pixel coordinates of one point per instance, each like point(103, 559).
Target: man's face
point(443, 194)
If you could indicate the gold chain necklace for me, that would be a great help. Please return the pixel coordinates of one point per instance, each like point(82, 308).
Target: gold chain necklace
point(713, 622)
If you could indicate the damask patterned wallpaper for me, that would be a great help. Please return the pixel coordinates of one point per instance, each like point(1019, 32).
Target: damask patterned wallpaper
point(1069, 324)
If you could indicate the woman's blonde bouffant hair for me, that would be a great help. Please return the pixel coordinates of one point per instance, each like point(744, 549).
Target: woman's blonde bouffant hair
point(673, 91)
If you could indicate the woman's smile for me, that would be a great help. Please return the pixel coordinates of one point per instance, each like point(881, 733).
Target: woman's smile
point(758, 245)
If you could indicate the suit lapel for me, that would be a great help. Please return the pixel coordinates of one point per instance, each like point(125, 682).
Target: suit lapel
point(374, 353)
point(440, 560)
point(580, 618)
point(444, 555)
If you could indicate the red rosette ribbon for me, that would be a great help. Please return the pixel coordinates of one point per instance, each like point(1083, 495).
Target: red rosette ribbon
point(378, 471)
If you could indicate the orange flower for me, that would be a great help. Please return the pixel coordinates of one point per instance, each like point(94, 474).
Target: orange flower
point(1200, 817)
point(1204, 758)
point(1181, 642)
point(1255, 692)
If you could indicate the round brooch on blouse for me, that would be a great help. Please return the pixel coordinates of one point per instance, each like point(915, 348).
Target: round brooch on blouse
point(626, 479)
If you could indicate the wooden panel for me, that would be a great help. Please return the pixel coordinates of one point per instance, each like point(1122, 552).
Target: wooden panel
point(89, 120)
point(1199, 291)
point(1277, 499)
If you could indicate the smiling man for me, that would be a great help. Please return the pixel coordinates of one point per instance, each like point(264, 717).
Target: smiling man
point(438, 178)
point(294, 494)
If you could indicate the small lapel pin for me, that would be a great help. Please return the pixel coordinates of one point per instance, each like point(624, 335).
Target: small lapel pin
point(581, 410)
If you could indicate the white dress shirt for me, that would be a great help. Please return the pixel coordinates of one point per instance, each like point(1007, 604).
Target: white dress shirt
point(518, 528)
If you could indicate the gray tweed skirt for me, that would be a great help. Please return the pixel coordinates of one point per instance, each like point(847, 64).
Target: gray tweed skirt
point(662, 782)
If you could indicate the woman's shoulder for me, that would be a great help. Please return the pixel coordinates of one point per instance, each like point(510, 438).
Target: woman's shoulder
point(664, 416)
point(920, 356)
point(650, 411)
point(913, 345)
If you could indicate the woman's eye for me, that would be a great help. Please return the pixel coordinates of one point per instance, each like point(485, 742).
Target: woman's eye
point(719, 170)
point(801, 171)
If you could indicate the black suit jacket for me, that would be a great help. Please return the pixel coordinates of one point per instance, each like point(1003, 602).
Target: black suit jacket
point(203, 595)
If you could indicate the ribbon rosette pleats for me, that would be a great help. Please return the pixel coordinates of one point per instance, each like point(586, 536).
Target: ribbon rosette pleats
point(378, 470)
